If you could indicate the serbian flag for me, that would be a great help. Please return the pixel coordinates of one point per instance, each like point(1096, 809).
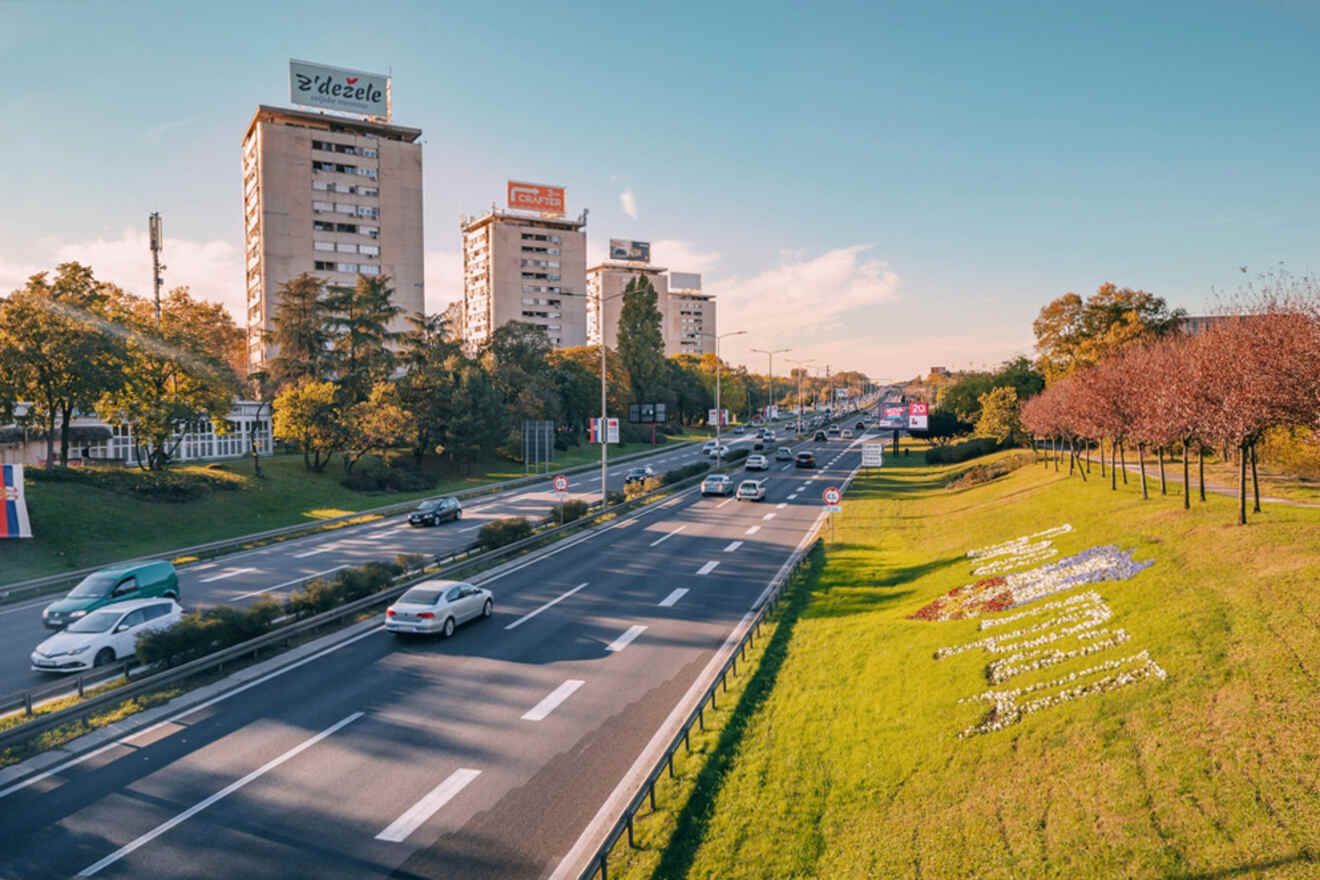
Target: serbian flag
point(13, 508)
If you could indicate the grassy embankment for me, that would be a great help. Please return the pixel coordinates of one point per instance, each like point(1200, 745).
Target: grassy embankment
point(77, 526)
point(851, 765)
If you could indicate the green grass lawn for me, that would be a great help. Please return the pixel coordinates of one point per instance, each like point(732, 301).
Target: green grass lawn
point(852, 765)
point(77, 526)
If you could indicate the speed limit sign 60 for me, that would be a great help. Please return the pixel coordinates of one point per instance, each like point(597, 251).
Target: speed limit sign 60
point(561, 483)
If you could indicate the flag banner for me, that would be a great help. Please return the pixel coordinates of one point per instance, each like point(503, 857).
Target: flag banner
point(13, 507)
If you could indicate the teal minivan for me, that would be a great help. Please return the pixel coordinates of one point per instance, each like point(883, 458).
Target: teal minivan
point(134, 580)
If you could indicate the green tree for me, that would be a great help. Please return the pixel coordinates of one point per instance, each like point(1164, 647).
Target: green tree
point(478, 423)
point(641, 345)
point(618, 384)
point(1072, 332)
point(56, 349)
point(1000, 417)
point(516, 359)
point(302, 332)
point(431, 357)
point(361, 317)
point(310, 414)
point(173, 375)
point(374, 424)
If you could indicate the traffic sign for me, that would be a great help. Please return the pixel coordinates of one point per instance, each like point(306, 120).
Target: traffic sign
point(561, 483)
point(832, 496)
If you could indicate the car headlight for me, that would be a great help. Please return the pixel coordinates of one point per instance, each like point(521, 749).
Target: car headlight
point(73, 614)
point(45, 612)
point(77, 650)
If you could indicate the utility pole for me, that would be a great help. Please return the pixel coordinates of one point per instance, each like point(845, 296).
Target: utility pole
point(770, 379)
point(157, 244)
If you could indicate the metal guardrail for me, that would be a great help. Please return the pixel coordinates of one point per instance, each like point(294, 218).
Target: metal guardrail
point(41, 584)
point(25, 700)
point(599, 862)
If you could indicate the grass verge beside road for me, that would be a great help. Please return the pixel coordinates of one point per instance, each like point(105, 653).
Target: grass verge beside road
point(851, 765)
point(77, 526)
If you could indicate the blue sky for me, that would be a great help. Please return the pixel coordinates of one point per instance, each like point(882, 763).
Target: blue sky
point(878, 189)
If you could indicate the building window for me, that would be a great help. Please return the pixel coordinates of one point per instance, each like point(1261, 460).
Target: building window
point(346, 227)
point(373, 231)
point(365, 172)
point(322, 226)
point(343, 248)
point(369, 152)
point(370, 250)
point(342, 208)
point(323, 266)
point(368, 191)
point(369, 270)
point(346, 267)
point(322, 185)
point(364, 211)
point(324, 245)
point(322, 206)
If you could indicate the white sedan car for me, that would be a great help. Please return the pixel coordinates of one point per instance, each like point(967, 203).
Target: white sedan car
point(438, 606)
point(756, 463)
point(104, 636)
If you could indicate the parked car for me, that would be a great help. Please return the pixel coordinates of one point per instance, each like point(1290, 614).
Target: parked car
point(435, 511)
point(804, 460)
point(638, 475)
point(783, 453)
point(756, 463)
point(118, 583)
point(717, 484)
point(438, 606)
point(105, 635)
point(751, 490)
point(819, 437)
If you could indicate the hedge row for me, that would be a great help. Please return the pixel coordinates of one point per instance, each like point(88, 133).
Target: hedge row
point(677, 475)
point(167, 486)
point(499, 532)
point(204, 632)
point(956, 452)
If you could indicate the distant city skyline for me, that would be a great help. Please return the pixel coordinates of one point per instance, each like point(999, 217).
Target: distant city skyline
point(881, 190)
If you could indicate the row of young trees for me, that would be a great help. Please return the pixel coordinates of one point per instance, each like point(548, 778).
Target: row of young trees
point(1255, 369)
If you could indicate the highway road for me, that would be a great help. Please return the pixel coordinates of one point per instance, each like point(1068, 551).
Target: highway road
point(276, 569)
point(483, 756)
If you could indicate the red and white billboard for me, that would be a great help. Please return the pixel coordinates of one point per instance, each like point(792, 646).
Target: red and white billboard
point(536, 197)
point(917, 413)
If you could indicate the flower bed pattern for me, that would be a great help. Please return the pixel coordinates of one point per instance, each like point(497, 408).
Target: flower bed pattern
point(1018, 552)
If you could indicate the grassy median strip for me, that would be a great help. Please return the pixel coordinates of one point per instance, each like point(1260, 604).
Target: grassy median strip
point(852, 764)
point(666, 838)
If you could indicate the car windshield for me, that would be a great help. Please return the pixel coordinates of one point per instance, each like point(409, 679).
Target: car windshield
point(421, 596)
point(749, 485)
point(99, 622)
point(93, 586)
point(428, 505)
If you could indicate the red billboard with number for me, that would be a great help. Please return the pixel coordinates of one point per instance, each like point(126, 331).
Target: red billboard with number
point(536, 197)
point(917, 413)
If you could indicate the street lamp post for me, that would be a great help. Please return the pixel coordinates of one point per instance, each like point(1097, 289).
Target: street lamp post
point(770, 379)
point(802, 364)
point(719, 412)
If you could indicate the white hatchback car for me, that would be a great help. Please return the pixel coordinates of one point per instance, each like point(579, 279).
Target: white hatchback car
point(438, 606)
point(105, 635)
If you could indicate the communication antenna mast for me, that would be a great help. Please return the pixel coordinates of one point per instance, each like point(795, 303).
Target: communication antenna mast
point(157, 244)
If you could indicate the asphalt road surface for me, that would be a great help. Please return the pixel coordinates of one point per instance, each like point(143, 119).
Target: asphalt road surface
point(482, 756)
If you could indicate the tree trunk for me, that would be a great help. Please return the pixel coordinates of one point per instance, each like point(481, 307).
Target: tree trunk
point(1141, 457)
point(1088, 455)
point(1035, 452)
point(50, 439)
point(1200, 451)
point(65, 412)
point(307, 459)
point(1100, 445)
point(1187, 483)
point(1054, 441)
point(1122, 458)
point(1113, 466)
point(1255, 479)
point(1242, 488)
point(1164, 489)
point(1081, 470)
point(1072, 456)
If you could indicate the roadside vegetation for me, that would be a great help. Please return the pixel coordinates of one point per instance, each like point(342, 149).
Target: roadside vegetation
point(853, 766)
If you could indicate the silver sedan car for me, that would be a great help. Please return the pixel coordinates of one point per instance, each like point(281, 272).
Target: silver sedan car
point(438, 606)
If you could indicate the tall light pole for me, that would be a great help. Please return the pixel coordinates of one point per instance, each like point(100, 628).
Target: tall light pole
point(719, 412)
point(803, 365)
point(770, 379)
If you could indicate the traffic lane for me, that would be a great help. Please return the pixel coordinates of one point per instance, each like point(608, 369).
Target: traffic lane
point(587, 558)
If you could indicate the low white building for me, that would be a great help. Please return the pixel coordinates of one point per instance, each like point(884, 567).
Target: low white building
point(94, 440)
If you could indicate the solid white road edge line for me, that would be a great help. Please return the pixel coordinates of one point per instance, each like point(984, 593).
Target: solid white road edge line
point(724, 502)
point(733, 545)
point(781, 505)
point(753, 530)
point(233, 572)
point(553, 602)
point(428, 806)
point(768, 516)
point(572, 864)
point(668, 535)
point(324, 549)
point(626, 639)
point(672, 598)
point(553, 699)
point(219, 795)
point(708, 567)
point(285, 584)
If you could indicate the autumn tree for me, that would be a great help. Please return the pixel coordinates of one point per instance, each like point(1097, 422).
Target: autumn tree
point(311, 414)
point(1072, 332)
point(374, 424)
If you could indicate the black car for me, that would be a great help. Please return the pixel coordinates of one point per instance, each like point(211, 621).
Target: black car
point(820, 437)
point(804, 460)
point(436, 511)
point(638, 475)
point(758, 445)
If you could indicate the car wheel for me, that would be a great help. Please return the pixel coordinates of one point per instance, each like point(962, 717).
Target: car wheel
point(104, 657)
point(458, 514)
point(449, 628)
point(487, 608)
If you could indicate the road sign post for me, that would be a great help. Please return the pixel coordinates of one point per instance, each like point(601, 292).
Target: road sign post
point(561, 486)
point(832, 497)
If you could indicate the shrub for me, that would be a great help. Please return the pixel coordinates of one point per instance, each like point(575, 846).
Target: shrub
point(410, 561)
point(400, 475)
point(677, 475)
point(737, 455)
point(642, 487)
point(203, 632)
point(501, 532)
point(984, 473)
point(574, 510)
point(956, 452)
point(613, 498)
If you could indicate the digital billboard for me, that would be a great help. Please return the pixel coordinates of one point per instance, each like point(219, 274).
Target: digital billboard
point(917, 413)
point(626, 249)
point(338, 88)
point(536, 197)
point(894, 416)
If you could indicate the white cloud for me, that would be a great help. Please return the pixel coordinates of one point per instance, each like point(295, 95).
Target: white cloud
point(628, 201)
point(14, 275)
point(444, 279)
point(683, 256)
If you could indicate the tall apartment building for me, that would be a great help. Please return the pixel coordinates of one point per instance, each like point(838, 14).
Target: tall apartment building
point(524, 267)
point(334, 197)
point(687, 315)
